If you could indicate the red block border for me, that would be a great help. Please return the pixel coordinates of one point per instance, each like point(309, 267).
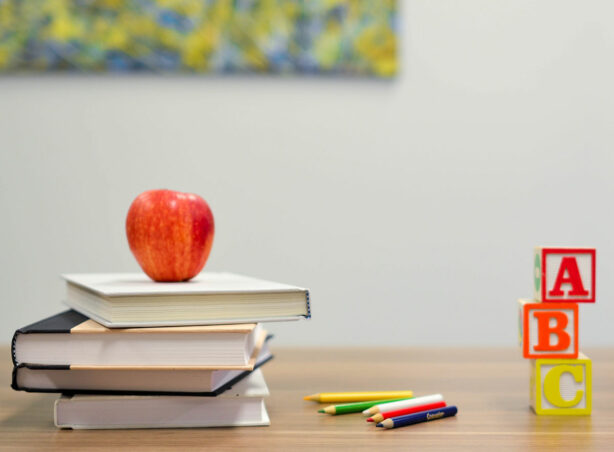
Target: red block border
point(592, 252)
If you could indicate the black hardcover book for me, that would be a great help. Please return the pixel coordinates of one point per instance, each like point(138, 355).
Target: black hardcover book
point(35, 378)
point(49, 356)
point(72, 339)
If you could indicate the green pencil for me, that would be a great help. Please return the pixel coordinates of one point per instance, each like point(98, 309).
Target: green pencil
point(356, 407)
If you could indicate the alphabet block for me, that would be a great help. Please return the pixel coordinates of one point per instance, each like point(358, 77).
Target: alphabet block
point(561, 387)
point(564, 274)
point(549, 330)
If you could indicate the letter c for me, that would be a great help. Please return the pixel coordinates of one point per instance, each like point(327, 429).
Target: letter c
point(552, 385)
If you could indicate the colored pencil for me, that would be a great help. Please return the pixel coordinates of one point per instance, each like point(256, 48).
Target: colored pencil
point(423, 416)
point(341, 397)
point(355, 407)
point(403, 404)
point(379, 417)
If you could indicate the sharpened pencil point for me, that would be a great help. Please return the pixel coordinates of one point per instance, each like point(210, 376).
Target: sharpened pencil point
point(379, 425)
point(377, 418)
point(321, 411)
point(310, 397)
point(370, 420)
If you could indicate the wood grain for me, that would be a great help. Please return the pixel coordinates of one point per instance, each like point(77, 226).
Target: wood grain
point(489, 386)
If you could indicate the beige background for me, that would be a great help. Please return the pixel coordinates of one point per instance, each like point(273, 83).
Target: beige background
point(409, 207)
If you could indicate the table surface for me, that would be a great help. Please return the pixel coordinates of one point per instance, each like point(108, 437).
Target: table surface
point(489, 386)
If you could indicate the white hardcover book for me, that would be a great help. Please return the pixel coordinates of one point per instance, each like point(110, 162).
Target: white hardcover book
point(121, 300)
point(243, 405)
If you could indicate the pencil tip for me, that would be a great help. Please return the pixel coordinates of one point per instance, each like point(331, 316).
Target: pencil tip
point(370, 420)
point(379, 425)
point(321, 411)
point(308, 397)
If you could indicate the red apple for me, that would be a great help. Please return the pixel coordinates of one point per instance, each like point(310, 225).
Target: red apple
point(170, 234)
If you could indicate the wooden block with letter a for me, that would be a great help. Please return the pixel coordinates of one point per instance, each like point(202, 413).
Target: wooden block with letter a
point(561, 387)
point(564, 274)
point(548, 330)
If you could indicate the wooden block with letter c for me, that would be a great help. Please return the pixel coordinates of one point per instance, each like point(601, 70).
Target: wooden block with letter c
point(561, 387)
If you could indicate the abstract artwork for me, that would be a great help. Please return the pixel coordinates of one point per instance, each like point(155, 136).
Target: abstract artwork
point(345, 37)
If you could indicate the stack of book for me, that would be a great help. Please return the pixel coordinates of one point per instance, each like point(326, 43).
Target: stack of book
point(133, 353)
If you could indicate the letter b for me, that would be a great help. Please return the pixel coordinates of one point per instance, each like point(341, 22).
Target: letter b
point(549, 330)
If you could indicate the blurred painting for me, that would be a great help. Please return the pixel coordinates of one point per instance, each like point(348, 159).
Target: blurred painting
point(345, 37)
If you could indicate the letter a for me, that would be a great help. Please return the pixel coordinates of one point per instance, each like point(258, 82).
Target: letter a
point(568, 274)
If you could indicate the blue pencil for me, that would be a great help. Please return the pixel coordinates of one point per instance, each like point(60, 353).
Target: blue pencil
point(415, 418)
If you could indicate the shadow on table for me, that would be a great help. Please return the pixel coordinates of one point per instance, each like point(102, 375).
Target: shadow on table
point(36, 415)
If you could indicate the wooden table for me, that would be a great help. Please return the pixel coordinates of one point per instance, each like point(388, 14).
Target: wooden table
point(490, 387)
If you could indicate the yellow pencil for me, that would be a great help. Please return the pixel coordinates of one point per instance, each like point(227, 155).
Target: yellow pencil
point(342, 397)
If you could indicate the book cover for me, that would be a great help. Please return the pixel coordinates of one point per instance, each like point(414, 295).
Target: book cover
point(138, 284)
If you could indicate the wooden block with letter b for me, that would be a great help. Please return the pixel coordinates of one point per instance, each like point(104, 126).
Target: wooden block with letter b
point(564, 274)
point(548, 330)
point(561, 387)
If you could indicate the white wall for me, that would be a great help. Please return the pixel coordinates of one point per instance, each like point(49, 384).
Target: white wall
point(410, 208)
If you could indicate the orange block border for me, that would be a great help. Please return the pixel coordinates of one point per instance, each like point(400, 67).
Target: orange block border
point(550, 307)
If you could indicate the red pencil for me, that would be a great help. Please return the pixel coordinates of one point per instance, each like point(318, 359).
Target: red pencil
point(379, 417)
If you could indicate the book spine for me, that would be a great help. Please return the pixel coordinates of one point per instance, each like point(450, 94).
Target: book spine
point(14, 380)
point(13, 352)
point(17, 368)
